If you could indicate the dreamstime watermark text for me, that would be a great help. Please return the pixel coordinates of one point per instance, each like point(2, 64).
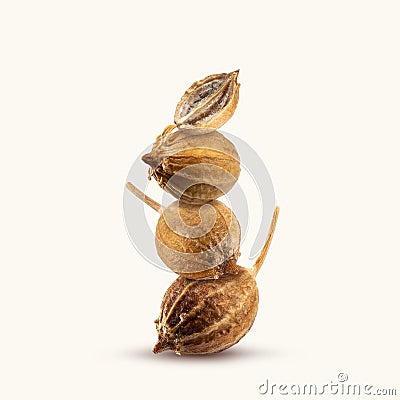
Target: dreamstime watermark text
point(341, 386)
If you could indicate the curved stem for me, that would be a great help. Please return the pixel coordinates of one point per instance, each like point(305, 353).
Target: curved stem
point(261, 258)
point(140, 195)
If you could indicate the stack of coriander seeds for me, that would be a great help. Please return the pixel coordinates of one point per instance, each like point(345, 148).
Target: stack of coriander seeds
point(214, 301)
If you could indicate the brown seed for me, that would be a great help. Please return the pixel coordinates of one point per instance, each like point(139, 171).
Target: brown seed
point(198, 241)
point(194, 166)
point(208, 103)
point(207, 316)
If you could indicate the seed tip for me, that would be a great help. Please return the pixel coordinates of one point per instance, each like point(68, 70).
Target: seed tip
point(235, 73)
point(161, 345)
point(147, 158)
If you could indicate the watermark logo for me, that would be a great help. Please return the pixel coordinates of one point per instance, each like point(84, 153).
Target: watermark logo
point(341, 386)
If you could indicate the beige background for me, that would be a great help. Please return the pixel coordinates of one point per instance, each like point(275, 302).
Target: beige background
point(86, 85)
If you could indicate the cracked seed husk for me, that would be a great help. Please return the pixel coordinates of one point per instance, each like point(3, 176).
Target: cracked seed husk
point(208, 103)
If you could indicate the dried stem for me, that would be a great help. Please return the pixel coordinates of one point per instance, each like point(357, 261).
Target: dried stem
point(261, 258)
point(140, 195)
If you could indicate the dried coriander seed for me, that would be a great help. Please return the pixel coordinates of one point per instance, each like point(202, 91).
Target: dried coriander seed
point(198, 241)
point(194, 166)
point(208, 103)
